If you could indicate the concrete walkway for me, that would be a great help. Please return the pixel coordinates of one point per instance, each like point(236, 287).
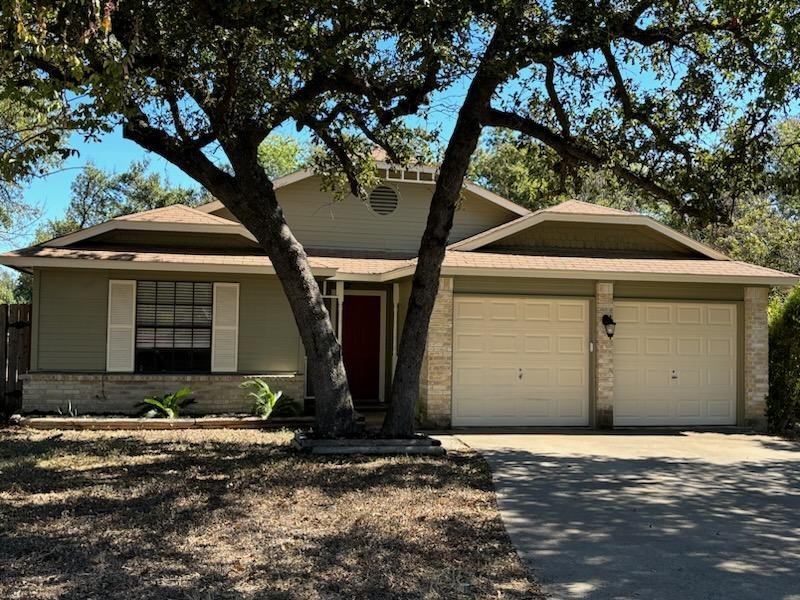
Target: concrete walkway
point(680, 516)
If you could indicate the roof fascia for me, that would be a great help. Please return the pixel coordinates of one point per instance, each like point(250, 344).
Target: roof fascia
point(124, 224)
point(26, 262)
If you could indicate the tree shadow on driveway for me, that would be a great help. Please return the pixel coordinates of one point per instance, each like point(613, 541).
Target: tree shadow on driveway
point(603, 526)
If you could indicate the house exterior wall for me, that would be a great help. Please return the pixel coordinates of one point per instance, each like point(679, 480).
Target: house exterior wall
point(69, 340)
point(319, 222)
point(71, 319)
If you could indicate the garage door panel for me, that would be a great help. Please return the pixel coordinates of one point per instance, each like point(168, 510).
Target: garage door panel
point(722, 315)
point(689, 315)
point(504, 343)
point(569, 312)
point(626, 345)
point(657, 345)
point(686, 373)
point(720, 408)
point(470, 343)
point(721, 347)
point(658, 314)
point(537, 377)
point(536, 311)
point(536, 344)
point(529, 370)
point(689, 346)
point(575, 344)
point(572, 378)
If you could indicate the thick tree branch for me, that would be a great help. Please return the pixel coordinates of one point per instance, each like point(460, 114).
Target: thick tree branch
point(187, 157)
point(558, 107)
point(574, 151)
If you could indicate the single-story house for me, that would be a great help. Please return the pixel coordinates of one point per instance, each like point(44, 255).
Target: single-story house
point(520, 335)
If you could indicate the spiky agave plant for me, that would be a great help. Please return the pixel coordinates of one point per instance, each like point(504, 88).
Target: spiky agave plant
point(169, 405)
point(267, 403)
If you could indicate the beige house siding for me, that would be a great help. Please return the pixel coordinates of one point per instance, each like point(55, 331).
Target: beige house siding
point(70, 323)
point(678, 291)
point(319, 222)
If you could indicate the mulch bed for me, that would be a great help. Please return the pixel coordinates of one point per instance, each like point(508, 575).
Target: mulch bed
point(236, 514)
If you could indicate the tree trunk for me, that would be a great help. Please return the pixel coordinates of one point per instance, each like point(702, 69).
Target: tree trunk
point(399, 420)
point(258, 208)
point(250, 196)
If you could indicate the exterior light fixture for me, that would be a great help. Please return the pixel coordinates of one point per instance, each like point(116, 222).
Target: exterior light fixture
point(609, 324)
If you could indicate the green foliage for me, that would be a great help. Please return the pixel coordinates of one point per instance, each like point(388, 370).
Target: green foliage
point(783, 402)
point(168, 405)
point(267, 403)
point(7, 288)
point(282, 154)
point(97, 196)
point(532, 175)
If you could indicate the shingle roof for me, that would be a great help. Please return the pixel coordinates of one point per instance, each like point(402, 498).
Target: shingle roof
point(175, 213)
point(392, 268)
point(578, 207)
point(644, 266)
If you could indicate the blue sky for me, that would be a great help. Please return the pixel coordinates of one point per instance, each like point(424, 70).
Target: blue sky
point(114, 153)
point(111, 152)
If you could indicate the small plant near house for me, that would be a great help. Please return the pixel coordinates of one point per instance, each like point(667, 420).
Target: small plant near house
point(783, 402)
point(168, 405)
point(70, 411)
point(267, 403)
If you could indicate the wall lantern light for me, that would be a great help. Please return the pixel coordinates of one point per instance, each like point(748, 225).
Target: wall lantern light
point(609, 324)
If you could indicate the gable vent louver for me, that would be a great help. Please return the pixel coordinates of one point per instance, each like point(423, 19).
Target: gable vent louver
point(383, 200)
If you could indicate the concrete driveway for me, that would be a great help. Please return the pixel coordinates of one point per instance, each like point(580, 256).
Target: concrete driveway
point(684, 516)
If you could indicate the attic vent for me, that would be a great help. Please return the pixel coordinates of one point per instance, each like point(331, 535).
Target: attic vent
point(383, 200)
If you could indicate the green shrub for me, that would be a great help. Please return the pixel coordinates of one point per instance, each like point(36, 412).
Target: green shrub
point(168, 405)
point(267, 403)
point(783, 402)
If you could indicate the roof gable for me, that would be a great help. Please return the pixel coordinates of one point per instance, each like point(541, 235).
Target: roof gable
point(577, 212)
point(178, 218)
point(390, 173)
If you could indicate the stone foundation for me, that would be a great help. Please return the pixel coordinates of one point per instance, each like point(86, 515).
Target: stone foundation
point(115, 393)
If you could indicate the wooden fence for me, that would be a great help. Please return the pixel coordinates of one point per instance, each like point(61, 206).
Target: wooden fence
point(15, 354)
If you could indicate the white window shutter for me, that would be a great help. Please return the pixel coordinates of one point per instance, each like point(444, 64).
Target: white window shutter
point(225, 333)
point(121, 331)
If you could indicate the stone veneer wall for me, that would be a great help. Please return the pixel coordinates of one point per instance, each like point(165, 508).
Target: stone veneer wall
point(756, 356)
point(604, 357)
point(115, 393)
point(436, 377)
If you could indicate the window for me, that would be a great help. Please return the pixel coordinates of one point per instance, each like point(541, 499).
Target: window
point(173, 326)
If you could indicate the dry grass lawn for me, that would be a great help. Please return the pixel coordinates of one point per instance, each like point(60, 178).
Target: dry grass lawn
point(237, 515)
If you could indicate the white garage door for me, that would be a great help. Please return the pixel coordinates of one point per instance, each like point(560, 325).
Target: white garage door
point(520, 361)
point(674, 364)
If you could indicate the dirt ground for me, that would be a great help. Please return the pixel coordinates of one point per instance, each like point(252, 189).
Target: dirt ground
point(238, 515)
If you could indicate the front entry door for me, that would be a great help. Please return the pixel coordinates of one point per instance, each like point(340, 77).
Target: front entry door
point(361, 346)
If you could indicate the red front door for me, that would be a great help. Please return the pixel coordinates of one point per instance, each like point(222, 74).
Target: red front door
point(361, 345)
